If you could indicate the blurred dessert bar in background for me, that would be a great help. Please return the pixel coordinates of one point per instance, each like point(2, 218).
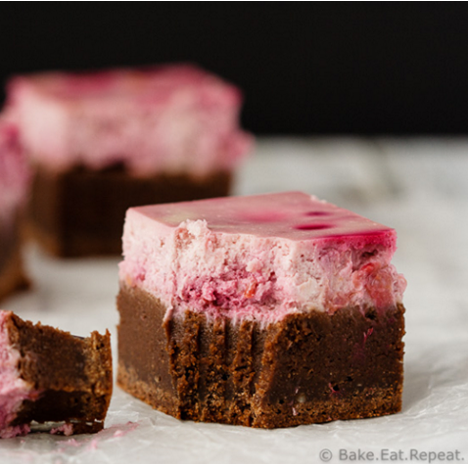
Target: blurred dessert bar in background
point(14, 186)
point(102, 142)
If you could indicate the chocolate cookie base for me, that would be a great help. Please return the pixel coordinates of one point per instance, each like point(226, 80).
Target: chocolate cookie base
point(72, 374)
point(307, 368)
point(12, 275)
point(81, 212)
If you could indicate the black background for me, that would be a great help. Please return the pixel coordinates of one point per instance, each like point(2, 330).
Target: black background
point(305, 68)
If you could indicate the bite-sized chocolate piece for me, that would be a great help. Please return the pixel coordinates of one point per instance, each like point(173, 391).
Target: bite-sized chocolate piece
point(51, 377)
point(102, 142)
point(266, 311)
point(14, 186)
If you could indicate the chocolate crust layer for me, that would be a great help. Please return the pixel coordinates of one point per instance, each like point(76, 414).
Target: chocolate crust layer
point(307, 368)
point(81, 212)
point(72, 374)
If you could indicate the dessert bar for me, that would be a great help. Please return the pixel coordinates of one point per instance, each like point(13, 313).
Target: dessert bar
point(102, 142)
point(265, 311)
point(50, 377)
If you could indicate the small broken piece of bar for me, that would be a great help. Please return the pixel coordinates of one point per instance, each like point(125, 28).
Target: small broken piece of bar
point(265, 311)
point(50, 377)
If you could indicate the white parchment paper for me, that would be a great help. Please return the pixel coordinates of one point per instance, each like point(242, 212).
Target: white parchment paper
point(420, 187)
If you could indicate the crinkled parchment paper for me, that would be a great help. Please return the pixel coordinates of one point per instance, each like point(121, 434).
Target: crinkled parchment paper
point(418, 188)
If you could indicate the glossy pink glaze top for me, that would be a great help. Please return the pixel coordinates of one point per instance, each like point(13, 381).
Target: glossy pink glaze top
point(262, 256)
point(14, 172)
point(174, 119)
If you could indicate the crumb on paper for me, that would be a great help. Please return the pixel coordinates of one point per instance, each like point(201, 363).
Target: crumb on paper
point(66, 429)
point(128, 427)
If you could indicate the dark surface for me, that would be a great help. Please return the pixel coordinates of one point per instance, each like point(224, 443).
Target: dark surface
point(81, 212)
point(307, 368)
point(305, 68)
point(74, 375)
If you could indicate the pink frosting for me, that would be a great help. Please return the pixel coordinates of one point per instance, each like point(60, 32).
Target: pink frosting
point(262, 256)
point(167, 119)
point(14, 173)
point(13, 389)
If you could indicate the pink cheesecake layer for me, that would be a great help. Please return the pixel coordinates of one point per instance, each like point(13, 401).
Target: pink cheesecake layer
point(261, 256)
point(13, 389)
point(14, 174)
point(172, 119)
